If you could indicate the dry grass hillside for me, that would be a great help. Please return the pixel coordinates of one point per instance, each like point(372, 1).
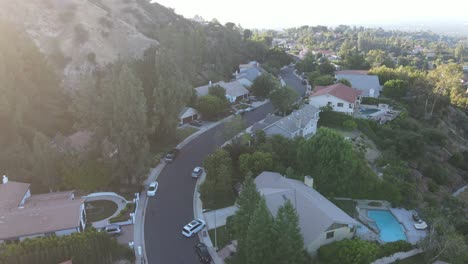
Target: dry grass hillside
point(78, 35)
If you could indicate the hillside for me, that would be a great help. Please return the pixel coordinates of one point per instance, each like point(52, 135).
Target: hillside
point(80, 35)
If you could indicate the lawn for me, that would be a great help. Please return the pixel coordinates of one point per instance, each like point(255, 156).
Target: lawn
point(417, 259)
point(123, 215)
point(185, 132)
point(99, 210)
point(221, 235)
point(348, 207)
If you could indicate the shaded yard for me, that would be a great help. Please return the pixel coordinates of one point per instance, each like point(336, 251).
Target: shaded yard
point(417, 259)
point(99, 210)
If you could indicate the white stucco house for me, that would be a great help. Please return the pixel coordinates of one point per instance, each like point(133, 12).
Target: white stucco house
point(300, 123)
point(321, 222)
point(23, 215)
point(339, 96)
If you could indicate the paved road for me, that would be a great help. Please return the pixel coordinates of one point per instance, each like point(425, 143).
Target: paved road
point(291, 80)
point(172, 207)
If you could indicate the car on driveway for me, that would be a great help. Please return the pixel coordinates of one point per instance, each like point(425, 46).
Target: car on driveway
point(196, 123)
point(113, 229)
point(171, 155)
point(197, 172)
point(152, 189)
point(202, 252)
point(193, 227)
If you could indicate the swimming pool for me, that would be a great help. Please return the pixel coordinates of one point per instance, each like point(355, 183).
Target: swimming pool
point(368, 111)
point(390, 228)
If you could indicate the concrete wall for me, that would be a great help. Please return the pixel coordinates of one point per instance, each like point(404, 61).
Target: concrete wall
point(339, 234)
point(322, 100)
point(66, 232)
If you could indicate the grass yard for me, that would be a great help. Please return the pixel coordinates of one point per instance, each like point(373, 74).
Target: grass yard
point(99, 210)
point(185, 132)
point(124, 215)
point(221, 235)
point(348, 207)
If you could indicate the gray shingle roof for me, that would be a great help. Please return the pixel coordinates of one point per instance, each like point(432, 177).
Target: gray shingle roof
point(316, 213)
point(298, 119)
point(363, 83)
point(250, 74)
point(234, 89)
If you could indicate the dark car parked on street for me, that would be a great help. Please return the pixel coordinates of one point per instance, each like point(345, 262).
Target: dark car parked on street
point(202, 252)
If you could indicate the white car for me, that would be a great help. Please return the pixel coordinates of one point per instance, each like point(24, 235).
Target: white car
point(153, 187)
point(113, 229)
point(197, 172)
point(193, 227)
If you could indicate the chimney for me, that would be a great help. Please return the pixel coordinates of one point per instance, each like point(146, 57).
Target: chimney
point(309, 181)
point(5, 179)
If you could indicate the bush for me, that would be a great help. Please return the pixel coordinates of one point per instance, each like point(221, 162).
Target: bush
point(436, 172)
point(348, 251)
point(124, 215)
point(391, 248)
point(333, 119)
point(375, 101)
point(375, 204)
point(434, 136)
point(349, 125)
point(460, 160)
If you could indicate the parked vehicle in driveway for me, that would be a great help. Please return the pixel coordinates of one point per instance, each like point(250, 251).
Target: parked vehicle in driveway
point(197, 172)
point(202, 252)
point(196, 123)
point(171, 155)
point(193, 227)
point(152, 189)
point(113, 229)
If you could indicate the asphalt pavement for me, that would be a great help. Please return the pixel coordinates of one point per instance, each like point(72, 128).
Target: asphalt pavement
point(172, 207)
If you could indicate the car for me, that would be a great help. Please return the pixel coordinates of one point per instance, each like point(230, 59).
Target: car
point(171, 155)
point(193, 227)
point(113, 229)
point(152, 189)
point(202, 252)
point(196, 123)
point(197, 172)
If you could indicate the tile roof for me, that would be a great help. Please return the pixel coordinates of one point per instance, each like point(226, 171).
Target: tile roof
point(363, 83)
point(316, 213)
point(12, 193)
point(338, 90)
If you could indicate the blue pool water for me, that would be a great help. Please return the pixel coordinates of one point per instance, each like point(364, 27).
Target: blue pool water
point(368, 111)
point(390, 229)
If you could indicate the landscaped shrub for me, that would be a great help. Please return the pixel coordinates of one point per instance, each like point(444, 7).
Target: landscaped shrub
point(391, 248)
point(375, 101)
point(333, 119)
point(124, 215)
point(375, 204)
point(349, 125)
point(89, 247)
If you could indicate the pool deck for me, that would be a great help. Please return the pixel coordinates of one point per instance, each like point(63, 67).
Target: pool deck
point(405, 218)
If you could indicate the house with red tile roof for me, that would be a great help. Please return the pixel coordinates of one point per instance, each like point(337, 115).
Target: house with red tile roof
point(339, 96)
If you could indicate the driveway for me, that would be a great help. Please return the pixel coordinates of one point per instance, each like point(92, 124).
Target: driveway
point(172, 208)
point(217, 218)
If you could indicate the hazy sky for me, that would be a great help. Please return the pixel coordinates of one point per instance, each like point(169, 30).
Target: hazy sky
point(280, 14)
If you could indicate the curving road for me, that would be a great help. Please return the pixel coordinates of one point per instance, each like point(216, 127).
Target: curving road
point(172, 207)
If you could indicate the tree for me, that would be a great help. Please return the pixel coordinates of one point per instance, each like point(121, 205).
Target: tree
point(261, 236)
point(290, 243)
point(336, 167)
point(85, 174)
point(218, 91)
point(118, 115)
point(356, 62)
point(263, 85)
point(247, 34)
point(326, 68)
point(255, 162)
point(459, 53)
point(345, 82)
point(346, 49)
point(395, 89)
point(283, 98)
point(323, 80)
point(46, 161)
point(349, 251)
point(247, 202)
point(210, 106)
point(308, 64)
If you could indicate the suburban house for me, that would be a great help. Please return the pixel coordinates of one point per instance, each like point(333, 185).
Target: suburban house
point(369, 85)
point(300, 123)
point(23, 215)
point(187, 115)
point(339, 96)
point(235, 90)
point(321, 222)
point(249, 73)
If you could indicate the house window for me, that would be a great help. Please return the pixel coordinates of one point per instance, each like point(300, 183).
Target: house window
point(330, 234)
point(340, 104)
point(350, 105)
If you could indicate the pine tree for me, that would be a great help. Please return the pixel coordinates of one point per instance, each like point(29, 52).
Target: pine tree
point(290, 243)
point(261, 237)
